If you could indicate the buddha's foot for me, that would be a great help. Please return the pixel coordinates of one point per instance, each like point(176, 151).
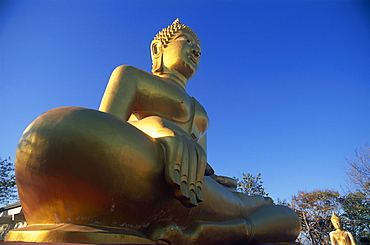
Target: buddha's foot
point(199, 233)
point(281, 227)
point(167, 232)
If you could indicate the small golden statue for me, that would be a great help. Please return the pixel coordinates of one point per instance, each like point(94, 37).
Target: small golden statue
point(136, 170)
point(339, 236)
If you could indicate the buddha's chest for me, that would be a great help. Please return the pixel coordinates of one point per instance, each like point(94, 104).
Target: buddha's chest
point(174, 106)
point(179, 108)
point(342, 238)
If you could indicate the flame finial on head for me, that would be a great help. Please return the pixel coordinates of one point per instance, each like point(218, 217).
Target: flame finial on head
point(165, 35)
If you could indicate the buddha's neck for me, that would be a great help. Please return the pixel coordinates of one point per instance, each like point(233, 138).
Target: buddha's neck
point(175, 76)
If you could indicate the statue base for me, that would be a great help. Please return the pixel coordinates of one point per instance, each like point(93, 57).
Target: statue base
point(71, 233)
point(87, 234)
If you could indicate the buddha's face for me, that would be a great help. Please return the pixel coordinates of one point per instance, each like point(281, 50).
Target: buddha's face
point(182, 54)
point(336, 224)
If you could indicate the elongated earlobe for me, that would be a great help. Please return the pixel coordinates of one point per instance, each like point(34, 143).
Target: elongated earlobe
point(156, 51)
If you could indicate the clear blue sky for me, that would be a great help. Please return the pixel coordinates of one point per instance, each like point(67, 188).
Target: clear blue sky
point(286, 83)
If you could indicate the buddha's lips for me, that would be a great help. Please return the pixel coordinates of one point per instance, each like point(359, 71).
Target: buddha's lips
point(193, 59)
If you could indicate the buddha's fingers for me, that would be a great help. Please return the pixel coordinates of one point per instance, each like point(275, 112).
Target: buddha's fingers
point(173, 147)
point(202, 163)
point(184, 169)
point(175, 166)
point(180, 164)
point(192, 170)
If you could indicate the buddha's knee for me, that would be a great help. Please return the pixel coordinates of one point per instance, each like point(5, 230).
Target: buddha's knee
point(75, 137)
point(74, 156)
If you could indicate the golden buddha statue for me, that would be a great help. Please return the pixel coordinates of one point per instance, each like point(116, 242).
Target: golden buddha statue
point(136, 170)
point(339, 236)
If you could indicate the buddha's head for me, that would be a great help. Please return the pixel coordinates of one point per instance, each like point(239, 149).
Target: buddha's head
point(335, 220)
point(176, 48)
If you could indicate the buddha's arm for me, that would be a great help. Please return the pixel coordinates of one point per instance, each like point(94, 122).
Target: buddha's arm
point(332, 239)
point(185, 159)
point(351, 238)
point(120, 94)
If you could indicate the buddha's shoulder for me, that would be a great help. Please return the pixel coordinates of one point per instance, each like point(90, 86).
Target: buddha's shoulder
point(131, 69)
point(141, 75)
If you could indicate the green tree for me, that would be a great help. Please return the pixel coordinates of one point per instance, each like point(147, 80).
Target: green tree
point(356, 204)
point(315, 209)
point(251, 185)
point(356, 217)
point(7, 182)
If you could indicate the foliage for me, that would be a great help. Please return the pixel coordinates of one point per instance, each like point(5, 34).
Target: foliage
point(356, 204)
point(251, 185)
point(7, 182)
point(356, 217)
point(315, 209)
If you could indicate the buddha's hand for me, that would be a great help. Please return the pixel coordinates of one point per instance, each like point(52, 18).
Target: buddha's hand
point(227, 182)
point(184, 168)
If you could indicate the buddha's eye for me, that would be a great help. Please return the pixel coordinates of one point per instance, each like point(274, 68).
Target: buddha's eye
point(184, 39)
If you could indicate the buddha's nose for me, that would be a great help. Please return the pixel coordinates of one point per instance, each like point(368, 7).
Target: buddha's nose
point(196, 52)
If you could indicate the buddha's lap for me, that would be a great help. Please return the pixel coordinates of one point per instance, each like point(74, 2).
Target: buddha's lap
point(90, 157)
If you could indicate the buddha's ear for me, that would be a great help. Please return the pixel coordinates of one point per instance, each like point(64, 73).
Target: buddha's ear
point(156, 49)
